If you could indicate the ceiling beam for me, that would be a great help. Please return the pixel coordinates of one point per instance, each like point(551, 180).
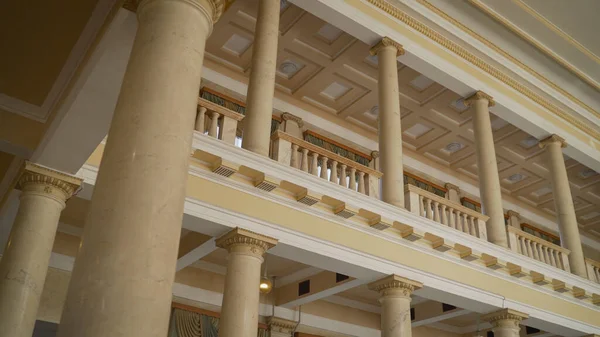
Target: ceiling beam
point(196, 254)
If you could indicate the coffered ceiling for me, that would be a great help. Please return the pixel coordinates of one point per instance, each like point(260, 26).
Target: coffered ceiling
point(325, 67)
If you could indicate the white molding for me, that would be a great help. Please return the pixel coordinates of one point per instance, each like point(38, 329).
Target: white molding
point(439, 318)
point(196, 254)
point(85, 40)
point(340, 300)
point(326, 293)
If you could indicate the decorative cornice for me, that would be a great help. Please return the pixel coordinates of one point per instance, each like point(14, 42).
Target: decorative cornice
point(386, 42)
point(478, 95)
point(286, 116)
point(281, 325)
point(395, 282)
point(553, 139)
point(452, 187)
point(242, 237)
point(53, 183)
point(505, 318)
point(479, 63)
point(375, 154)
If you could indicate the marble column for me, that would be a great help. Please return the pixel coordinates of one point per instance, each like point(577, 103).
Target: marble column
point(239, 313)
point(261, 88)
point(121, 284)
point(505, 322)
point(487, 167)
point(395, 292)
point(25, 260)
point(563, 203)
point(390, 131)
point(280, 327)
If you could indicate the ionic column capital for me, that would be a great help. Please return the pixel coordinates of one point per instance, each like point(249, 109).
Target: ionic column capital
point(479, 95)
point(286, 116)
point(505, 318)
point(243, 240)
point(452, 187)
point(387, 42)
point(553, 139)
point(395, 284)
point(375, 154)
point(46, 181)
point(283, 326)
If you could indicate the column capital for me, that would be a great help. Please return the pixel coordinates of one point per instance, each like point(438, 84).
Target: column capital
point(505, 318)
point(286, 116)
point(281, 325)
point(387, 42)
point(54, 183)
point(375, 154)
point(395, 282)
point(452, 187)
point(257, 243)
point(478, 95)
point(217, 7)
point(554, 138)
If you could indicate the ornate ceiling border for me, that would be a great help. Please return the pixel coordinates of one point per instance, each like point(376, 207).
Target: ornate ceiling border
point(479, 63)
point(510, 26)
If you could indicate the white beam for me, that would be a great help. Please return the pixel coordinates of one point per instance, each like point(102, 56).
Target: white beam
point(335, 299)
point(439, 318)
point(196, 254)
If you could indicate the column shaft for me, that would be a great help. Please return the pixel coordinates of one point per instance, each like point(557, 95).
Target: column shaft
point(390, 130)
point(261, 88)
point(487, 167)
point(563, 204)
point(239, 313)
point(122, 279)
point(25, 261)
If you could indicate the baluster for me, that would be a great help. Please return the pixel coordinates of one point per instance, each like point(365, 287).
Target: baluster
point(334, 173)
point(353, 178)
point(522, 248)
point(452, 218)
point(544, 253)
point(444, 215)
point(536, 254)
point(361, 182)
point(314, 168)
point(428, 210)
point(422, 206)
point(465, 223)
point(597, 273)
point(294, 161)
point(214, 122)
point(304, 165)
point(472, 226)
point(343, 175)
point(436, 211)
point(559, 261)
point(552, 258)
point(200, 117)
point(529, 250)
point(324, 167)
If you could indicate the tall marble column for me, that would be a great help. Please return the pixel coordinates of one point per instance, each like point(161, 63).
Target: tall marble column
point(395, 300)
point(25, 260)
point(121, 284)
point(505, 322)
point(239, 313)
point(487, 167)
point(261, 88)
point(390, 130)
point(280, 327)
point(563, 203)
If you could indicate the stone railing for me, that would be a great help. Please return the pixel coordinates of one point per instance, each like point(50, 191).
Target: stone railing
point(593, 270)
point(538, 249)
point(316, 160)
point(217, 121)
point(445, 212)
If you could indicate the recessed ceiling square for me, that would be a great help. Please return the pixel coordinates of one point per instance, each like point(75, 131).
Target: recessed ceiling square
point(542, 191)
point(335, 90)
point(421, 82)
point(237, 44)
point(515, 178)
point(329, 32)
point(417, 130)
point(529, 142)
point(289, 68)
point(453, 147)
point(587, 173)
point(459, 105)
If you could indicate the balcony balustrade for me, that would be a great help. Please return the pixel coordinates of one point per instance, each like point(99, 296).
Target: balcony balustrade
point(217, 121)
point(330, 166)
point(593, 269)
point(445, 212)
point(538, 249)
